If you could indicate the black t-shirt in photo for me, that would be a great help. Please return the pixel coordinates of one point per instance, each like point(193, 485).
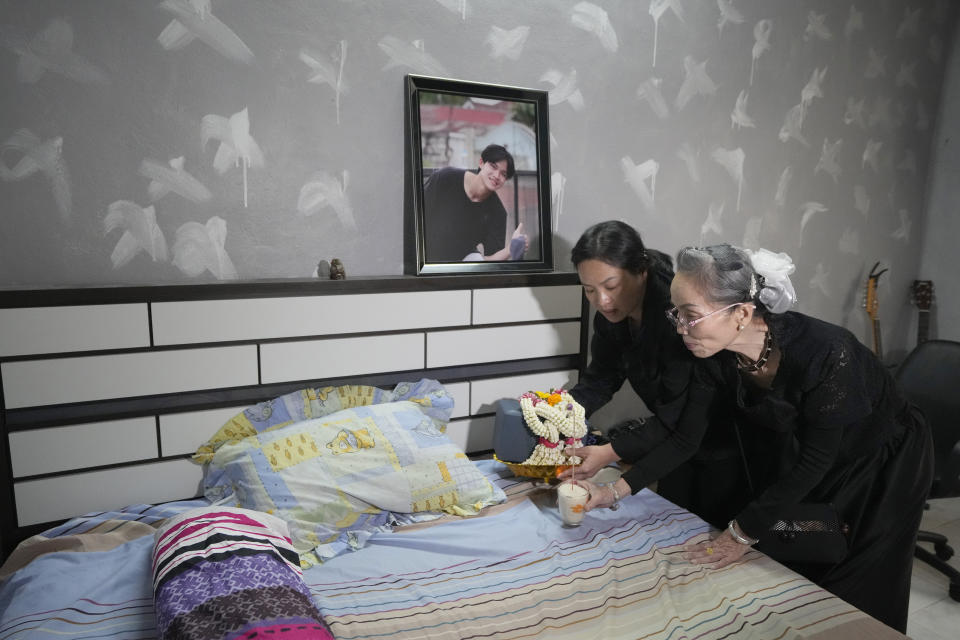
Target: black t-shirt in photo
point(453, 224)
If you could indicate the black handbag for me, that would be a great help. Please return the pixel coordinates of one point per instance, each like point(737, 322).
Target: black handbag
point(807, 532)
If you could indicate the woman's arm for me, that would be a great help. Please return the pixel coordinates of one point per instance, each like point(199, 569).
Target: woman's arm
point(678, 444)
point(604, 375)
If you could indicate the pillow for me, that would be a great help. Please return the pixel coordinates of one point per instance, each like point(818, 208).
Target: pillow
point(430, 395)
point(339, 479)
point(229, 573)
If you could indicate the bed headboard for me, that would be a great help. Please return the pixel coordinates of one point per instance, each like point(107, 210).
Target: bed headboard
point(106, 392)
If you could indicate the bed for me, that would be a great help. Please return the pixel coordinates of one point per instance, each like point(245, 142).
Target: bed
point(511, 569)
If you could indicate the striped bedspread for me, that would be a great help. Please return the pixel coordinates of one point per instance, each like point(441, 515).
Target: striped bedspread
point(620, 575)
point(512, 572)
point(222, 573)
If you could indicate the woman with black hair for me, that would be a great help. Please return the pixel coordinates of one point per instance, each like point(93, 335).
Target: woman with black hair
point(822, 421)
point(629, 286)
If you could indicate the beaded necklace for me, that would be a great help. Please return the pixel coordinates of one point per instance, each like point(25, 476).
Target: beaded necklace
point(746, 364)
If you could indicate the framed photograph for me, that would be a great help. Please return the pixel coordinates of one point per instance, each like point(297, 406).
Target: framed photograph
point(477, 178)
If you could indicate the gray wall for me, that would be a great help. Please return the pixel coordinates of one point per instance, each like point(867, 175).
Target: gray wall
point(826, 158)
point(941, 231)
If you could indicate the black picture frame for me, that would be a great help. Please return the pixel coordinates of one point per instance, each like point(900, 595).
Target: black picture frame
point(449, 123)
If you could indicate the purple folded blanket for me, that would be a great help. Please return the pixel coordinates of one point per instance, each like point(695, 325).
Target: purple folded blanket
point(225, 573)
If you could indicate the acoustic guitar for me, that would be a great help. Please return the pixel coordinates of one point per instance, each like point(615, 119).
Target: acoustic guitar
point(871, 304)
point(922, 294)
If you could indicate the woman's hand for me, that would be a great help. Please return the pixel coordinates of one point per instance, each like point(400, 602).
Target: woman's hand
point(719, 552)
point(592, 459)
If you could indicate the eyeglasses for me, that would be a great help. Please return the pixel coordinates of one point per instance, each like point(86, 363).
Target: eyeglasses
point(673, 315)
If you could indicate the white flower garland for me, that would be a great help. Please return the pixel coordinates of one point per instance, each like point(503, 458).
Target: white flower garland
point(564, 417)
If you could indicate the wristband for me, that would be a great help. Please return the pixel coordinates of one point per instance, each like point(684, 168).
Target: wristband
point(616, 498)
point(742, 539)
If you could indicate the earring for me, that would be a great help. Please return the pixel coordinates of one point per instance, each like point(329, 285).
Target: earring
point(740, 328)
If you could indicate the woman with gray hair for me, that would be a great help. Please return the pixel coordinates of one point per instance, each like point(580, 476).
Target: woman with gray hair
point(821, 421)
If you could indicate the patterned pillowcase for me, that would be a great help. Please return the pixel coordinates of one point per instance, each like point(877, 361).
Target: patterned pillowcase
point(220, 572)
point(338, 479)
point(296, 406)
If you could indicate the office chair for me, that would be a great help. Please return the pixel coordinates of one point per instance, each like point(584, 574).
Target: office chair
point(930, 378)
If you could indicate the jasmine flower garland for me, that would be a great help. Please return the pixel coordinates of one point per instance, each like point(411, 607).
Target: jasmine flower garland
point(553, 416)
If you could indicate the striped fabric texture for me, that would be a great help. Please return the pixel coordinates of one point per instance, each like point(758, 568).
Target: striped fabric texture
point(225, 573)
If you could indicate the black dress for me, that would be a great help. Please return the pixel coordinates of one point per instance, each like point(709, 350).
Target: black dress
point(834, 427)
point(707, 481)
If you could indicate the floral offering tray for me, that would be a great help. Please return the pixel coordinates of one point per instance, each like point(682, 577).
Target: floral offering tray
point(544, 472)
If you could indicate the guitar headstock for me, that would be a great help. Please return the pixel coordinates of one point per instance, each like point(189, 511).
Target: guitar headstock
point(871, 303)
point(922, 294)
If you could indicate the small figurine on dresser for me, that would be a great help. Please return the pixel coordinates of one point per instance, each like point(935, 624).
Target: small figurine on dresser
point(323, 270)
point(337, 272)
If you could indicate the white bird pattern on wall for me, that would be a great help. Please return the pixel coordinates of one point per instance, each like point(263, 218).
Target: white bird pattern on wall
point(792, 126)
point(650, 91)
point(861, 201)
point(739, 117)
point(910, 25)
point(731, 160)
point(871, 155)
point(593, 19)
point(164, 179)
point(413, 55)
point(43, 156)
point(200, 248)
point(817, 27)
point(855, 113)
point(813, 89)
point(854, 22)
point(849, 242)
point(828, 159)
point(729, 14)
point(783, 184)
point(907, 75)
point(821, 280)
point(237, 146)
point(50, 50)
point(903, 231)
point(140, 232)
point(690, 160)
point(761, 37)
point(807, 211)
point(564, 88)
point(695, 82)
point(637, 175)
point(325, 190)
point(194, 19)
point(876, 65)
point(327, 73)
point(656, 10)
point(507, 43)
point(751, 233)
point(712, 223)
point(456, 6)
